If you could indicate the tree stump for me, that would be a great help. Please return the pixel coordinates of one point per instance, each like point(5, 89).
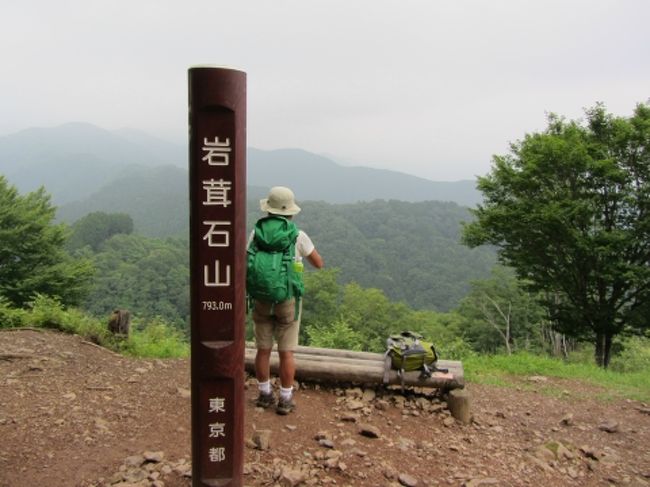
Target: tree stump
point(119, 323)
point(458, 402)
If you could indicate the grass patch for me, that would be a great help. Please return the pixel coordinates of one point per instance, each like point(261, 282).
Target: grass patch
point(491, 369)
point(156, 340)
point(153, 339)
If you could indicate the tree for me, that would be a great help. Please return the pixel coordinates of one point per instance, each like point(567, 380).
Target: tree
point(32, 256)
point(568, 208)
point(499, 312)
point(97, 227)
point(147, 276)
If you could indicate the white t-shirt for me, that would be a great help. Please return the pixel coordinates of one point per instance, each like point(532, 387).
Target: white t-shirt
point(304, 245)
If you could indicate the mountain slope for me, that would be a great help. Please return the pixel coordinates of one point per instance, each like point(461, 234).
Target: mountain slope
point(317, 178)
point(76, 159)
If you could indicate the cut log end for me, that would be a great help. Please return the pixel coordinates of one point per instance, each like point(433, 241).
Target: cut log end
point(458, 401)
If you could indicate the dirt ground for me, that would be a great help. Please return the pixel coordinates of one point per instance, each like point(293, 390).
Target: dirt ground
point(75, 415)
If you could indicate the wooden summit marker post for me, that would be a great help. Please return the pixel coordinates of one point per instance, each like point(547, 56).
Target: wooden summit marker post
point(217, 169)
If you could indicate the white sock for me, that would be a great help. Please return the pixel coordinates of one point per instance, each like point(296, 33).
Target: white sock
point(264, 387)
point(286, 393)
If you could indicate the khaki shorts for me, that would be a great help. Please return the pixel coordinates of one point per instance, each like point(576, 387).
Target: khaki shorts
point(279, 322)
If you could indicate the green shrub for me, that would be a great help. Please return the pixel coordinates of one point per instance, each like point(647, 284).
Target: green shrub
point(156, 339)
point(454, 349)
point(11, 317)
point(48, 312)
point(338, 334)
point(634, 357)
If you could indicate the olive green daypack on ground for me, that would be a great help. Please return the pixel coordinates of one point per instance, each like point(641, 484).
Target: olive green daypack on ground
point(270, 273)
point(409, 351)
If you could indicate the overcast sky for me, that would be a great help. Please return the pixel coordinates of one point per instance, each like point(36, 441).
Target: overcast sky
point(427, 87)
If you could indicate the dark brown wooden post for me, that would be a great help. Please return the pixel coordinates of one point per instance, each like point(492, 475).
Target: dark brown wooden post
point(217, 168)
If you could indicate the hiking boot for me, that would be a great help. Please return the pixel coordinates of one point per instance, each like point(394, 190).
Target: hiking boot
point(285, 406)
point(265, 400)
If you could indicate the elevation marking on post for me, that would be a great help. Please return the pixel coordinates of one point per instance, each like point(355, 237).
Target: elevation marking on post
point(217, 183)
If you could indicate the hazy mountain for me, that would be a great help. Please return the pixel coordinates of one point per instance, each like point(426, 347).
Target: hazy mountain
point(315, 177)
point(156, 198)
point(75, 160)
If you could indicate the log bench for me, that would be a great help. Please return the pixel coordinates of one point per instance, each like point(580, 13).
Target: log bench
point(333, 365)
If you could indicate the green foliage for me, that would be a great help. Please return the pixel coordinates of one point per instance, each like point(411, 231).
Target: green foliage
point(156, 339)
point(499, 314)
point(569, 209)
point(336, 334)
point(411, 251)
point(95, 228)
point(32, 256)
point(48, 312)
point(454, 349)
point(149, 277)
point(11, 317)
point(369, 312)
point(634, 356)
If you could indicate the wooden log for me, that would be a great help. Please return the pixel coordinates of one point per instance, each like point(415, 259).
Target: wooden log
point(458, 402)
point(345, 369)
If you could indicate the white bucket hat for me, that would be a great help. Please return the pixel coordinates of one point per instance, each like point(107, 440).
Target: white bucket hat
point(281, 201)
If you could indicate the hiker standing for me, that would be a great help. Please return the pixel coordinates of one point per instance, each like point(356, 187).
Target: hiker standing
point(276, 249)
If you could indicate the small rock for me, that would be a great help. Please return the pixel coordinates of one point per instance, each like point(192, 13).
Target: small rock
point(291, 477)
point(448, 422)
point(610, 426)
point(537, 379)
point(390, 473)
point(134, 461)
point(184, 393)
point(323, 435)
point(349, 418)
point(369, 431)
point(354, 392)
point(290, 427)
point(567, 420)
point(368, 395)
point(326, 443)
point(407, 480)
point(354, 405)
point(382, 405)
point(101, 424)
point(262, 439)
point(154, 456)
point(589, 452)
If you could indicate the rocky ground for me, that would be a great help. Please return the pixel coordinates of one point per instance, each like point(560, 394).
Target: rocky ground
point(75, 415)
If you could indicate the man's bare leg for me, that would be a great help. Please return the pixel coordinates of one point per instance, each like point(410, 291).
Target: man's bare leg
point(263, 365)
point(287, 369)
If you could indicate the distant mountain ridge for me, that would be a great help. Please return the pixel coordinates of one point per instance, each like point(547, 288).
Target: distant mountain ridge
point(318, 178)
point(76, 160)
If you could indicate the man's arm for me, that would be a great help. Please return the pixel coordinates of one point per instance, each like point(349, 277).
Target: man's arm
point(315, 259)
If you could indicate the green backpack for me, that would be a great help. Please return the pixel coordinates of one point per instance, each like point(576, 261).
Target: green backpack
point(270, 273)
point(409, 351)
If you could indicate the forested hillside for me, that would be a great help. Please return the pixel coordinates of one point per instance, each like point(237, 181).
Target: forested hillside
point(409, 250)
